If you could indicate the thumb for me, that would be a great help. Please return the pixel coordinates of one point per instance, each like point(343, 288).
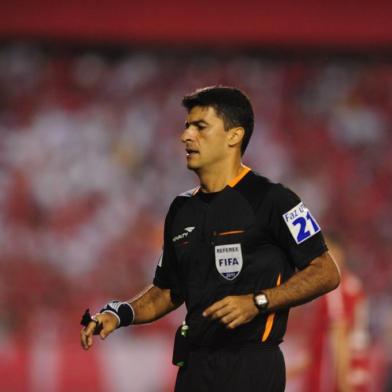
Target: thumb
point(103, 334)
point(106, 330)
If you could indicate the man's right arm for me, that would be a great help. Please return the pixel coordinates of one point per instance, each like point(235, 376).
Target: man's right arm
point(151, 304)
point(156, 300)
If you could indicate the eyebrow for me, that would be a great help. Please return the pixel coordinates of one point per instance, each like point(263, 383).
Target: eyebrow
point(196, 123)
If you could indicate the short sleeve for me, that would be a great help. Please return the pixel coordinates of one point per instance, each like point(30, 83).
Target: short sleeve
point(166, 273)
point(293, 227)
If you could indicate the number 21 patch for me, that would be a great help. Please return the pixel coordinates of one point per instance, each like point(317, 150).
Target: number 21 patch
point(301, 223)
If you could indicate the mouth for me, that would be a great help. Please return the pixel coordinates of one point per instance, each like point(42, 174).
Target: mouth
point(190, 152)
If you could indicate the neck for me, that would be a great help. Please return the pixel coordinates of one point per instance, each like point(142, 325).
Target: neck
point(214, 179)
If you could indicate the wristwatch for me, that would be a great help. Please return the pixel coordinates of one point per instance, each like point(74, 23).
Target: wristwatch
point(261, 301)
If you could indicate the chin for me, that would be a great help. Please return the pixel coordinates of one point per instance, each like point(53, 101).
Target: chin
point(191, 166)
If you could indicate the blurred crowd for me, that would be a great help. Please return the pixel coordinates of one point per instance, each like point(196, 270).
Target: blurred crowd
point(90, 159)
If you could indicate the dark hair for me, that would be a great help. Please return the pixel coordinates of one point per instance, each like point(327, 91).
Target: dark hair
point(231, 104)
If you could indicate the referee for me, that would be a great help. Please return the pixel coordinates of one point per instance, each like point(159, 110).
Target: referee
point(239, 250)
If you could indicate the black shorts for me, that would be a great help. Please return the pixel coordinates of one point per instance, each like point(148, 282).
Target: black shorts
point(246, 368)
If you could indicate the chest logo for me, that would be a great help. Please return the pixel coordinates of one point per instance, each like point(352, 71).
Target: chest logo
point(184, 234)
point(228, 260)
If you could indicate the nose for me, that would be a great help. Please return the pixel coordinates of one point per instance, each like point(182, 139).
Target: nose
point(186, 135)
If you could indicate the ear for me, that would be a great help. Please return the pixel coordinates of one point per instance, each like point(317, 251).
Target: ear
point(235, 136)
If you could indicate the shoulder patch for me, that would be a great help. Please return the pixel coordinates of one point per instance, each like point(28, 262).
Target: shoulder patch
point(301, 223)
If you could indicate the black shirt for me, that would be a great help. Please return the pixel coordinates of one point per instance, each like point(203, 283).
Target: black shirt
point(251, 236)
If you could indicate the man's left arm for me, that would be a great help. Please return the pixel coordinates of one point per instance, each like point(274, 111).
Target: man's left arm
point(319, 277)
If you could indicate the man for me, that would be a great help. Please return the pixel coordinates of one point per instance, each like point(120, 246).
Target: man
point(231, 249)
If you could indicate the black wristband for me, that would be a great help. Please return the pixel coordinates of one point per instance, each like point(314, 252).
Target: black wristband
point(123, 311)
point(87, 319)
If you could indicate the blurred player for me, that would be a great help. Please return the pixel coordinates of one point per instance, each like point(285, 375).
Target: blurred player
point(232, 248)
point(338, 359)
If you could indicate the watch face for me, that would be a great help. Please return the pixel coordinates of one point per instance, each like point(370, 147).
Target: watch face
point(261, 300)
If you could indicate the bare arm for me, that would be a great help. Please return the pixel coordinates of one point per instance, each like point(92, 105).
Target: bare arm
point(319, 277)
point(152, 304)
point(149, 305)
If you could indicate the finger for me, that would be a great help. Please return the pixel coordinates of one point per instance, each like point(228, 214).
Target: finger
point(85, 339)
point(89, 330)
point(214, 307)
point(222, 312)
point(229, 318)
point(87, 335)
point(89, 341)
point(235, 323)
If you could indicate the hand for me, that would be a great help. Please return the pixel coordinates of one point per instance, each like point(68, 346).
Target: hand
point(233, 311)
point(109, 324)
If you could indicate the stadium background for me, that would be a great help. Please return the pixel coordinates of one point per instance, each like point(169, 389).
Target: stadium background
point(90, 159)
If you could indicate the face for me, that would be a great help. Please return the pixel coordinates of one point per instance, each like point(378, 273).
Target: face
point(205, 138)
